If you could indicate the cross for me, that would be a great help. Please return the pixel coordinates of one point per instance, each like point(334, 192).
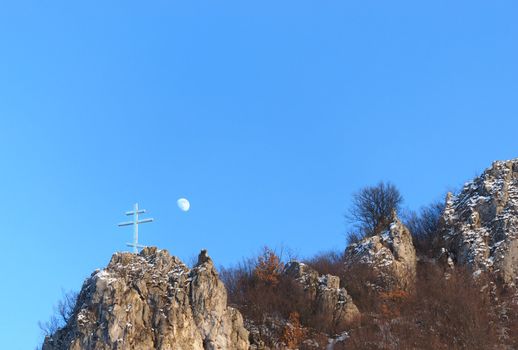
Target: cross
point(135, 224)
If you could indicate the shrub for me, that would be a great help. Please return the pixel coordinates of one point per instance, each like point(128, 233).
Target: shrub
point(330, 262)
point(258, 288)
point(444, 313)
point(293, 333)
point(268, 267)
point(425, 227)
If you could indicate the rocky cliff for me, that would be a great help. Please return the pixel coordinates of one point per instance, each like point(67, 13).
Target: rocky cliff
point(389, 258)
point(333, 303)
point(152, 301)
point(481, 223)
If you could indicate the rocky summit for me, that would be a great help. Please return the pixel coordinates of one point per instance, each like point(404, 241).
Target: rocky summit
point(152, 301)
point(389, 257)
point(481, 223)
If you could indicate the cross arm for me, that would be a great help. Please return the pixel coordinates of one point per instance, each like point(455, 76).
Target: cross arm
point(145, 220)
point(142, 211)
point(127, 223)
point(135, 245)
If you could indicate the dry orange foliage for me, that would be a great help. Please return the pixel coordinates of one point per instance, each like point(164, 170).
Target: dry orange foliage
point(268, 267)
point(392, 301)
point(293, 332)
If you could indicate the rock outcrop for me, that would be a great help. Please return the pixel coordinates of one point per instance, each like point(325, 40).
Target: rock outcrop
point(152, 301)
point(387, 259)
point(332, 303)
point(326, 302)
point(481, 223)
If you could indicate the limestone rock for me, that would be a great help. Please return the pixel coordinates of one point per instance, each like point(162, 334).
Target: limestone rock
point(332, 302)
point(481, 223)
point(152, 301)
point(389, 257)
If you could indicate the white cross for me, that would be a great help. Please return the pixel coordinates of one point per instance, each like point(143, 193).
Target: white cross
point(135, 224)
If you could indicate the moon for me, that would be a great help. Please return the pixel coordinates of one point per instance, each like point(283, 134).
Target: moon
point(183, 204)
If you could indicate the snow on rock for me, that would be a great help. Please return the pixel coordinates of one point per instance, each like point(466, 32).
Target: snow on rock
point(152, 301)
point(481, 222)
point(340, 338)
point(388, 257)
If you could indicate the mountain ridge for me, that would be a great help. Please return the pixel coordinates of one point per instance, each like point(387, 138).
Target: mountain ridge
point(152, 300)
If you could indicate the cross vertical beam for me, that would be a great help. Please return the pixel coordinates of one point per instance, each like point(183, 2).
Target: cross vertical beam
point(135, 212)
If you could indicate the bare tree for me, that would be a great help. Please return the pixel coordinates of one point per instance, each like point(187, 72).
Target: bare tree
point(372, 208)
point(425, 226)
point(62, 313)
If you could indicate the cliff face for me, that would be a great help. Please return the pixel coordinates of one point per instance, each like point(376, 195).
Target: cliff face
point(481, 223)
point(389, 257)
point(152, 301)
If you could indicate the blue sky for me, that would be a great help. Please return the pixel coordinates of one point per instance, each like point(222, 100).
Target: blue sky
point(267, 115)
